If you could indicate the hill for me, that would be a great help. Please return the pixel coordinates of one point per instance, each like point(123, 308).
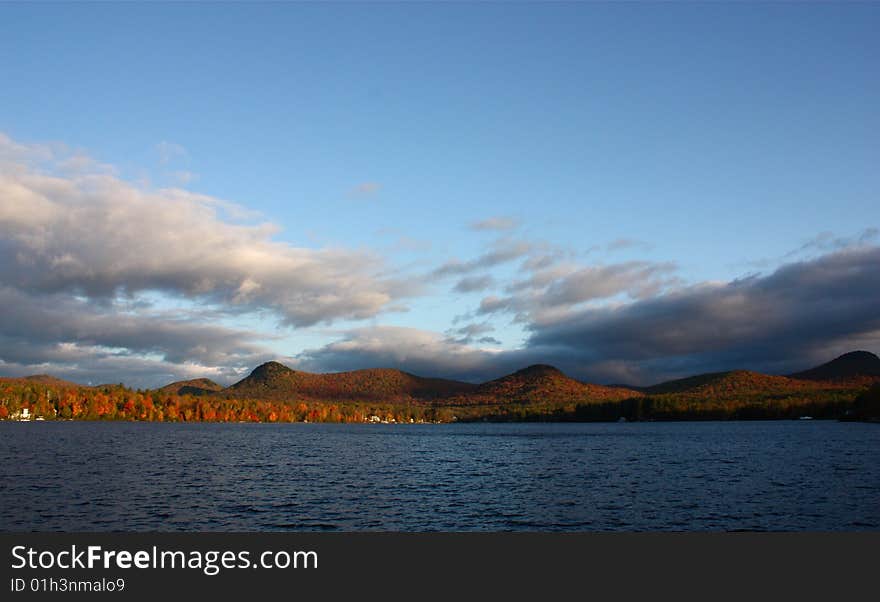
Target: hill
point(274, 392)
point(855, 365)
point(541, 384)
point(41, 379)
point(275, 381)
point(196, 386)
point(722, 385)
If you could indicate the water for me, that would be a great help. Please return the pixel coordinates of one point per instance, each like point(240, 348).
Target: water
point(114, 476)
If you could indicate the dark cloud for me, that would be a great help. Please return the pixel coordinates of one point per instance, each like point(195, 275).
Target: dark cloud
point(412, 350)
point(470, 333)
point(787, 319)
point(471, 284)
point(93, 366)
point(80, 339)
point(431, 354)
point(540, 261)
point(493, 304)
point(802, 314)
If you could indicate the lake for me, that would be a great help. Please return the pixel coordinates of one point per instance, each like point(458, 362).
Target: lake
point(680, 476)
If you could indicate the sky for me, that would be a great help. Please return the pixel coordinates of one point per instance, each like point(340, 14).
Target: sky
point(631, 192)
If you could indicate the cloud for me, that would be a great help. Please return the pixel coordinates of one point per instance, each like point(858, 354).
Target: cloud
point(99, 236)
point(621, 244)
point(557, 290)
point(470, 284)
point(824, 242)
point(496, 224)
point(471, 333)
point(502, 251)
point(50, 319)
point(413, 350)
point(828, 241)
point(802, 314)
point(492, 304)
point(13, 154)
point(427, 353)
point(93, 367)
point(542, 260)
point(781, 321)
point(638, 279)
point(75, 337)
point(86, 254)
point(79, 162)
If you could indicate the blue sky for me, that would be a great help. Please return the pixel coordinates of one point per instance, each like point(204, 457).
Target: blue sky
point(657, 147)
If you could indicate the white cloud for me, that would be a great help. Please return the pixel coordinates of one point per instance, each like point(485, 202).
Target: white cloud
point(98, 235)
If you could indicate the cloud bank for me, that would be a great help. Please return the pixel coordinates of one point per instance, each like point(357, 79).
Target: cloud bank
point(75, 239)
point(803, 313)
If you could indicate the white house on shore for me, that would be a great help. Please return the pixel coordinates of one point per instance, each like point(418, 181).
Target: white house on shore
point(23, 414)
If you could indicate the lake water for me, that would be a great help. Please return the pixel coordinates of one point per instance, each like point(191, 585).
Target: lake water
point(112, 476)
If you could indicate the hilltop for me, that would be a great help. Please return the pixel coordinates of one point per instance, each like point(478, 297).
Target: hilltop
point(720, 385)
point(42, 379)
point(855, 365)
point(276, 381)
point(195, 386)
point(543, 384)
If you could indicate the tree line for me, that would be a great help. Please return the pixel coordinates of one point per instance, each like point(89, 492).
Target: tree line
point(116, 402)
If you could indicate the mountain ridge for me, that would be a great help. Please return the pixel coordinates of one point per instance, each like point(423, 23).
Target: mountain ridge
point(273, 392)
point(274, 380)
point(537, 383)
point(542, 383)
point(43, 379)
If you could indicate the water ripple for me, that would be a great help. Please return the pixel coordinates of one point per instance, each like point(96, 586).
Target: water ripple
point(93, 476)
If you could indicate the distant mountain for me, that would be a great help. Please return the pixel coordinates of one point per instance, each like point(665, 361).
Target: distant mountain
point(196, 386)
point(539, 385)
point(719, 385)
point(275, 381)
point(274, 392)
point(858, 365)
point(42, 379)
point(542, 384)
